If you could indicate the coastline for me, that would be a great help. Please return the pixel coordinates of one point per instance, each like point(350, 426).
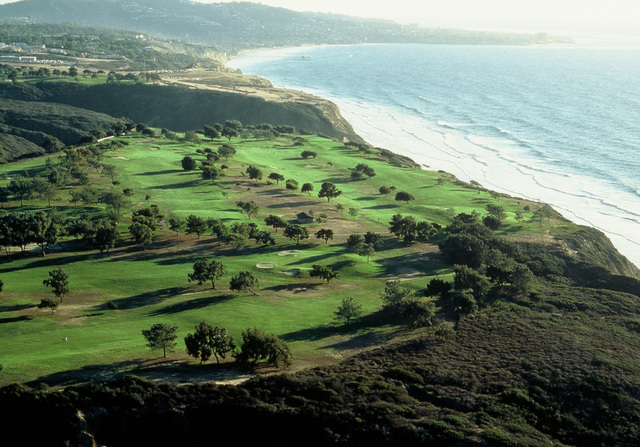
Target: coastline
point(457, 157)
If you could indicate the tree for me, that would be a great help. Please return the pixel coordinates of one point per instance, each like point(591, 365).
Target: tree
point(323, 272)
point(191, 136)
point(105, 235)
point(364, 169)
point(109, 171)
point(275, 221)
point(374, 239)
point(21, 187)
point(141, 233)
point(244, 281)
point(117, 200)
point(418, 312)
point(259, 345)
point(405, 197)
point(384, 190)
point(250, 208)
point(292, 185)
point(208, 340)
point(307, 187)
point(467, 278)
point(307, 154)
point(189, 164)
point(348, 310)
point(204, 270)
point(211, 132)
point(353, 212)
point(226, 151)
point(48, 303)
point(496, 211)
point(254, 173)
point(176, 223)
point(58, 281)
point(277, 177)
point(210, 173)
point(364, 250)
point(329, 190)
point(437, 287)
point(394, 295)
point(161, 336)
point(46, 228)
point(195, 225)
point(297, 232)
point(324, 233)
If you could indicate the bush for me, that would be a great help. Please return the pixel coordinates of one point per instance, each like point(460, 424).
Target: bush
point(259, 345)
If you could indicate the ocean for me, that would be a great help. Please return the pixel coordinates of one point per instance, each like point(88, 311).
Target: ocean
point(559, 124)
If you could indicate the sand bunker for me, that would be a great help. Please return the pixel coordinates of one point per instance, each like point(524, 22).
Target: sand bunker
point(121, 158)
point(291, 272)
point(265, 265)
point(289, 253)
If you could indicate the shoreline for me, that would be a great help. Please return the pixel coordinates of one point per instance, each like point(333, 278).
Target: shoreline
point(431, 151)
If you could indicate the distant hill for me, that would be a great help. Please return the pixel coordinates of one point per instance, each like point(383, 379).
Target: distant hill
point(235, 26)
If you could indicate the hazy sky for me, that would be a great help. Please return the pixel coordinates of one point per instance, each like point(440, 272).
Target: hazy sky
point(595, 16)
point(583, 16)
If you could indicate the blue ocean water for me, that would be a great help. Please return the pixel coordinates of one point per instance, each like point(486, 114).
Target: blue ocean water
point(557, 124)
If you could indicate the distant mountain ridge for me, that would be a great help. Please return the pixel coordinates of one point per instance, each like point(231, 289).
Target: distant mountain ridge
point(235, 26)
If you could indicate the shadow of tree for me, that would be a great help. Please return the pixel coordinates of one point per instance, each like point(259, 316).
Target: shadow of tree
point(182, 185)
point(15, 319)
point(145, 299)
point(16, 307)
point(291, 204)
point(198, 303)
point(165, 171)
point(382, 207)
point(55, 262)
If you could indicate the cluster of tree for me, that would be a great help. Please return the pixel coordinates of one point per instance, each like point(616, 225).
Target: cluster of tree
point(207, 340)
point(361, 170)
point(39, 227)
point(365, 245)
point(407, 228)
point(144, 223)
point(402, 302)
point(481, 258)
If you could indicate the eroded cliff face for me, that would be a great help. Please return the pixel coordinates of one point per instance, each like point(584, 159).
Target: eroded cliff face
point(593, 247)
point(190, 106)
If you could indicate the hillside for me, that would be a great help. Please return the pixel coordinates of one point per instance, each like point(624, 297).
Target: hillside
point(232, 27)
point(540, 362)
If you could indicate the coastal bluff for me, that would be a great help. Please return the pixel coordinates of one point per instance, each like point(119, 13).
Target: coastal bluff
point(183, 103)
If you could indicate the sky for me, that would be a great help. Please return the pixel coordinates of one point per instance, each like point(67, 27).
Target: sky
point(583, 16)
point(620, 17)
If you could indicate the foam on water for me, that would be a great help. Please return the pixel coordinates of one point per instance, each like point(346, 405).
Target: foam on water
point(552, 125)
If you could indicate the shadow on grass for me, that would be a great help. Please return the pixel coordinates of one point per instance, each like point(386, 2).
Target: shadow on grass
point(424, 263)
point(16, 307)
point(15, 319)
point(291, 204)
point(55, 261)
point(313, 259)
point(163, 172)
point(182, 185)
point(145, 299)
point(376, 319)
point(365, 198)
point(89, 373)
point(294, 287)
point(197, 303)
point(382, 207)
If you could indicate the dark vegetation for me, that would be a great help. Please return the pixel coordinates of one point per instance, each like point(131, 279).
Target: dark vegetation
point(556, 369)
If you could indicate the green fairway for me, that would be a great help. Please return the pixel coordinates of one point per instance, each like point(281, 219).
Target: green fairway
point(150, 285)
